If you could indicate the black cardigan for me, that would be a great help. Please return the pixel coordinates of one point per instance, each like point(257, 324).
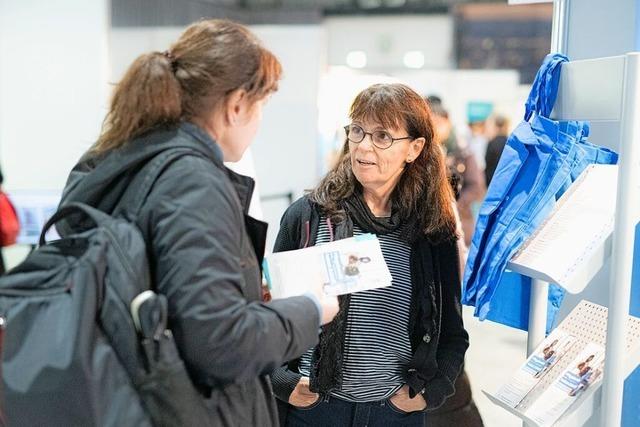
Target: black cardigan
point(438, 338)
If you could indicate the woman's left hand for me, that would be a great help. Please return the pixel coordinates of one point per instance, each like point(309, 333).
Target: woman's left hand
point(402, 401)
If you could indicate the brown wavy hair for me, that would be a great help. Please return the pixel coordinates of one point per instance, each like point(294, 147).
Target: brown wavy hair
point(423, 195)
point(210, 60)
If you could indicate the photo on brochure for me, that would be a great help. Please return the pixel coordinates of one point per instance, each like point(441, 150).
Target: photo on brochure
point(546, 356)
point(553, 348)
point(586, 369)
point(583, 372)
point(347, 272)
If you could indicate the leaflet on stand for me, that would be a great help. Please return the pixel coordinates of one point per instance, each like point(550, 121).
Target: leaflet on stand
point(536, 367)
point(556, 395)
point(566, 370)
point(583, 371)
point(341, 267)
point(573, 242)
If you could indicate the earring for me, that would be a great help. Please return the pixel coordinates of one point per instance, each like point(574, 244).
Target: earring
point(409, 160)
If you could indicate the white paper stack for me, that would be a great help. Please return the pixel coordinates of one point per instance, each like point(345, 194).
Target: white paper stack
point(336, 268)
point(572, 244)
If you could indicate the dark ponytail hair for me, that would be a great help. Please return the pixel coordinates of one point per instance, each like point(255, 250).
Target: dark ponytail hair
point(210, 60)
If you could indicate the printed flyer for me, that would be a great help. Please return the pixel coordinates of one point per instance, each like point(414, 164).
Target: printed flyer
point(341, 267)
point(583, 372)
point(552, 349)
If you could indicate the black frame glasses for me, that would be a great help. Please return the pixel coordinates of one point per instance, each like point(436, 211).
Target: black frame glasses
point(378, 137)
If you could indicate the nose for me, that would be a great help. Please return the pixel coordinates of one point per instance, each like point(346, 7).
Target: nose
point(367, 142)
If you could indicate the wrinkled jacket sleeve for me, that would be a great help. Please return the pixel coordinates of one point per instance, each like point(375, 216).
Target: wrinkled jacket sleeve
point(454, 340)
point(196, 229)
point(283, 379)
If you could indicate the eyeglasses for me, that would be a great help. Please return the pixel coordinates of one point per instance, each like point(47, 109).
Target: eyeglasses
point(380, 138)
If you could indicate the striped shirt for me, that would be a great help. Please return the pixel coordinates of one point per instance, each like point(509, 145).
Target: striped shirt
point(377, 348)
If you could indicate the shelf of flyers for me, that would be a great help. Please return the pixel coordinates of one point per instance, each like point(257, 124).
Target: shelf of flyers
point(559, 384)
point(574, 242)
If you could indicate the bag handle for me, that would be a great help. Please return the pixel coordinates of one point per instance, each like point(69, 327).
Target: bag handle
point(95, 215)
point(544, 89)
point(150, 176)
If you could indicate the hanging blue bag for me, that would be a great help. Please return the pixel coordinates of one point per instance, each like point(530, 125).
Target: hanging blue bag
point(540, 160)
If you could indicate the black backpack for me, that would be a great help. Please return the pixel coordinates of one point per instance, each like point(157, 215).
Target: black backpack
point(84, 339)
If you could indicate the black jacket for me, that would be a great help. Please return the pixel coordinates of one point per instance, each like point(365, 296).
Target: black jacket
point(204, 252)
point(438, 338)
point(492, 156)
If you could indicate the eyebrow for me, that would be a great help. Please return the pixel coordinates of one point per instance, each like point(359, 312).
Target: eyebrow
point(376, 128)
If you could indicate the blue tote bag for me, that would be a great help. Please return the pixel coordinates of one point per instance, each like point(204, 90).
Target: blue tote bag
point(541, 158)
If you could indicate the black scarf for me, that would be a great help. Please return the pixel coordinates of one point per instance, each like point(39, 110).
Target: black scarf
point(326, 363)
point(359, 213)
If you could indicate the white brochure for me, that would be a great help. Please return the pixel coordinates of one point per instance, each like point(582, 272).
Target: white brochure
point(572, 243)
point(583, 372)
point(340, 267)
point(537, 365)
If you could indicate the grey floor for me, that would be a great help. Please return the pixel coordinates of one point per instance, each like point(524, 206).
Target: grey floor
point(496, 351)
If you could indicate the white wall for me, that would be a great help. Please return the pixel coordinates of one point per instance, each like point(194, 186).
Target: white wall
point(53, 91)
point(616, 28)
point(385, 39)
point(285, 149)
point(53, 74)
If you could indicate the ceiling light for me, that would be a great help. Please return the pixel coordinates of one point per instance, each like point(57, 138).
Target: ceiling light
point(414, 59)
point(357, 59)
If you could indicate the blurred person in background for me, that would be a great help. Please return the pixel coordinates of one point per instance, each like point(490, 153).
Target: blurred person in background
point(462, 166)
point(459, 409)
point(393, 353)
point(205, 94)
point(476, 140)
point(495, 147)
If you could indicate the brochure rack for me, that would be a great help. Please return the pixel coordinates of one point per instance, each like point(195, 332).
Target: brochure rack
point(587, 323)
point(615, 98)
point(603, 89)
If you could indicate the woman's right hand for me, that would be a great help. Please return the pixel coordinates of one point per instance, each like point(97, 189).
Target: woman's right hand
point(301, 396)
point(330, 307)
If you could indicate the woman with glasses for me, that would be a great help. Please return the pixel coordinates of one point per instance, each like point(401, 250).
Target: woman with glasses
point(391, 353)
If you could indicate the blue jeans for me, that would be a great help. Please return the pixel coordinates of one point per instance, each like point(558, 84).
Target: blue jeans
point(330, 411)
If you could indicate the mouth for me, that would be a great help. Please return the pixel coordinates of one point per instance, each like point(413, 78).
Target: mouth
point(365, 162)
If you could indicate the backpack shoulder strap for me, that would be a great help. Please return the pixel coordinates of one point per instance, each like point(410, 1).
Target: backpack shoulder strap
point(133, 200)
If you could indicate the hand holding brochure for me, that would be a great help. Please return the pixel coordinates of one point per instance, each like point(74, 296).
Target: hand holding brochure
point(336, 268)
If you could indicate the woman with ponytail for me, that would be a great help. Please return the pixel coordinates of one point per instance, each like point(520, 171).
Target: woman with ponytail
point(203, 97)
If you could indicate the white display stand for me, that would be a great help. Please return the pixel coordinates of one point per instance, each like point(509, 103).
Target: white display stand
point(571, 245)
point(587, 323)
point(615, 98)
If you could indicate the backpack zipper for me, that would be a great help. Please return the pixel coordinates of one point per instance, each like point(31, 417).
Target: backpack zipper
point(12, 292)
